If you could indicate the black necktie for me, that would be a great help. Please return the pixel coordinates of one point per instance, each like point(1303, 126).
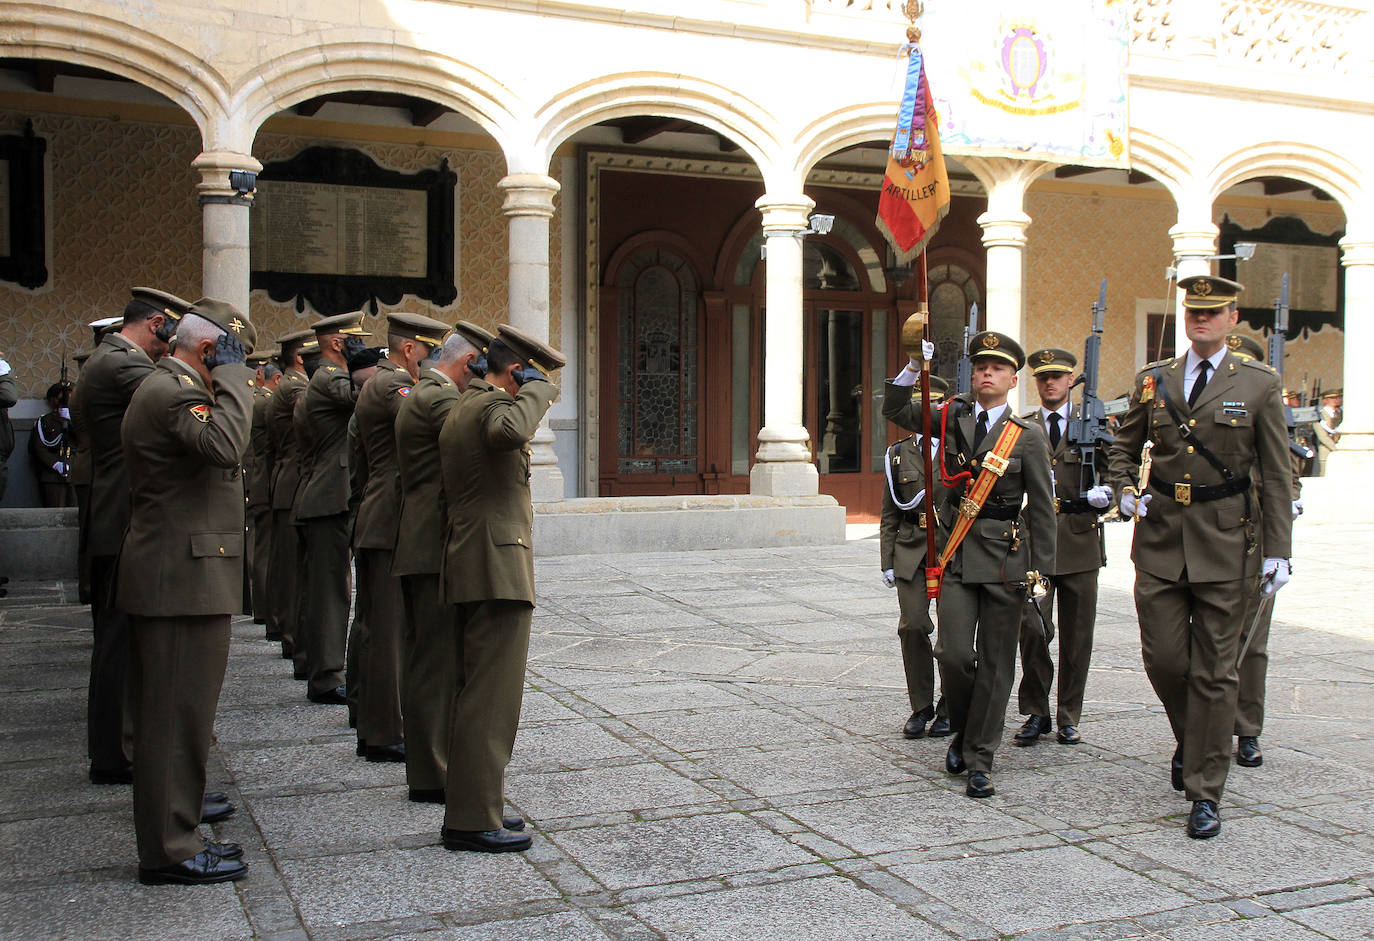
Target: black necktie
point(980, 429)
point(1054, 429)
point(1200, 382)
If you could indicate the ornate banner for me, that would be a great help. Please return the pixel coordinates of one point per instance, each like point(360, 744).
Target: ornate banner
point(1043, 80)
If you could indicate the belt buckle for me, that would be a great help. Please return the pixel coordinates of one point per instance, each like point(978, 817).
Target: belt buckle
point(995, 463)
point(1056, 504)
point(968, 509)
point(1183, 493)
point(921, 517)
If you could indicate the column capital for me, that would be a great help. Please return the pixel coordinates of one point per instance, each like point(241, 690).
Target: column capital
point(783, 215)
point(1357, 251)
point(1194, 238)
point(528, 194)
point(216, 183)
point(1004, 229)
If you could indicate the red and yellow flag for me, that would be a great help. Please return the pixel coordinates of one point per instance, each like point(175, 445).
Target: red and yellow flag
point(915, 193)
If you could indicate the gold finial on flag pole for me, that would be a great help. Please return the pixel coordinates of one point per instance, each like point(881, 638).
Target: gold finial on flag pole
point(912, 10)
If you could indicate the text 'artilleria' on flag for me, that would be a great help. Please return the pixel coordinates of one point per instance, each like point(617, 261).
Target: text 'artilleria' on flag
point(915, 193)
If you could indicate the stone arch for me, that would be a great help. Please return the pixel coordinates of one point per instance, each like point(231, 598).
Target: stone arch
point(1163, 161)
point(856, 124)
point(670, 96)
point(1314, 165)
point(296, 74)
point(123, 49)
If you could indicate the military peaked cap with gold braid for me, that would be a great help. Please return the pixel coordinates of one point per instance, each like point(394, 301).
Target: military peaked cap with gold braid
point(1051, 360)
point(1205, 292)
point(169, 304)
point(1242, 345)
point(477, 336)
point(530, 349)
point(998, 346)
point(228, 318)
point(416, 327)
point(351, 324)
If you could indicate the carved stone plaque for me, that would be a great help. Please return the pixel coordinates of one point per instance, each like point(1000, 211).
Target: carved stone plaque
point(1312, 261)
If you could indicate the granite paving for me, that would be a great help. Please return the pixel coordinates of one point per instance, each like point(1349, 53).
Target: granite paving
point(710, 747)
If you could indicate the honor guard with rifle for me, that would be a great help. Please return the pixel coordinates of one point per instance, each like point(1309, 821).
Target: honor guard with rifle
point(50, 446)
point(902, 558)
point(1079, 501)
point(1213, 419)
point(991, 461)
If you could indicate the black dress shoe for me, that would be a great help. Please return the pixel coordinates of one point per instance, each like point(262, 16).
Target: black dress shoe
point(954, 756)
point(429, 795)
point(123, 775)
point(1031, 730)
point(939, 728)
point(1068, 735)
point(485, 841)
point(224, 850)
point(979, 785)
point(1248, 754)
point(215, 811)
point(1204, 822)
point(204, 868)
point(516, 824)
point(916, 726)
point(385, 752)
point(332, 697)
point(1176, 769)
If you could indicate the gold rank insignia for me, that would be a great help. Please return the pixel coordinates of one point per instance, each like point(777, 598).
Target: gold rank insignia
point(200, 413)
point(1233, 341)
point(404, 390)
point(1147, 389)
point(1047, 356)
point(1202, 288)
point(990, 341)
point(188, 380)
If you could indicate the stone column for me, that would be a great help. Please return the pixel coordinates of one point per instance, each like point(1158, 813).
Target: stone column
point(783, 466)
point(529, 207)
point(226, 195)
point(1355, 453)
point(1194, 242)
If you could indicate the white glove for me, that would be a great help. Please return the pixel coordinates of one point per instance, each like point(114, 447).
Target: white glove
point(1128, 505)
point(927, 350)
point(65, 413)
point(889, 578)
point(60, 468)
point(1100, 497)
point(1297, 508)
point(1275, 575)
point(4, 368)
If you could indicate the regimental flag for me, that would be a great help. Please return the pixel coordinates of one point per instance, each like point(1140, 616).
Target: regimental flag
point(915, 193)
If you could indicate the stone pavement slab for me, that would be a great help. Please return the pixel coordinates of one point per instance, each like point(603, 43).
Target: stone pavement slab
point(710, 748)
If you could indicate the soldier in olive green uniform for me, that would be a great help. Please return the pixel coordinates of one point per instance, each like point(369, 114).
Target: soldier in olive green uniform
point(9, 396)
point(287, 547)
point(119, 365)
point(902, 558)
point(322, 506)
point(984, 588)
point(410, 339)
point(1254, 664)
point(430, 671)
point(1214, 419)
point(82, 471)
point(1079, 554)
point(258, 473)
point(180, 577)
point(488, 572)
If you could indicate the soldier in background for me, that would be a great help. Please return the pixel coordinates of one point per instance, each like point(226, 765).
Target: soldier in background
point(81, 472)
point(119, 365)
point(258, 460)
point(50, 448)
point(902, 558)
point(9, 396)
point(429, 674)
point(287, 548)
point(323, 507)
point(488, 572)
point(1328, 438)
point(184, 436)
point(410, 339)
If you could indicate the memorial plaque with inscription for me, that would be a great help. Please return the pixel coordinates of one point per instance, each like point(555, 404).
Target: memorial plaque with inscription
point(1285, 245)
point(23, 218)
point(331, 227)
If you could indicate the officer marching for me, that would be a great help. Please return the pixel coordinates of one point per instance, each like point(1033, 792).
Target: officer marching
point(1213, 418)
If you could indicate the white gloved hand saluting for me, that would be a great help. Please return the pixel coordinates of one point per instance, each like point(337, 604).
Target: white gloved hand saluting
point(1100, 497)
point(4, 367)
point(1129, 505)
point(889, 578)
point(1275, 575)
point(1297, 508)
point(60, 468)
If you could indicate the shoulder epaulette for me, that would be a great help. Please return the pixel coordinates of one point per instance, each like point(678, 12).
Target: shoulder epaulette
point(1256, 364)
point(1157, 363)
point(1020, 420)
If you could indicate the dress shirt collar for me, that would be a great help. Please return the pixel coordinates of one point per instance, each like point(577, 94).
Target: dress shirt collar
point(1190, 365)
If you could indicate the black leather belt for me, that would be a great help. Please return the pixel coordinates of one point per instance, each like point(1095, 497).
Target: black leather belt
point(1006, 512)
point(1076, 505)
point(917, 518)
point(1200, 493)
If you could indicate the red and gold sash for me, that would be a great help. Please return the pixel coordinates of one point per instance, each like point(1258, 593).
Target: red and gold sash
point(995, 464)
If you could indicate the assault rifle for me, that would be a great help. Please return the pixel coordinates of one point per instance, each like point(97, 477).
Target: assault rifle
point(64, 399)
point(1088, 430)
point(1277, 341)
point(963, 376)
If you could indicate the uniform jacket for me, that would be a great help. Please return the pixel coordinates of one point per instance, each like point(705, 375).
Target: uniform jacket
point(47, 444)
point(486, 470)
point(1078, 546)
point(328, 403)
point(258, 459)
point(183, 555)
point(379, 401)
point(1240, 417)
point(103, 391)
point(9, 396)
point(281, 434)
point(901, 535)
point(423, 513)
point(994, 550)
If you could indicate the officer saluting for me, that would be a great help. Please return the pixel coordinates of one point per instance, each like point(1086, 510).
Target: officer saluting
point(180, 575)
point(488, 572)
point(1213, 418)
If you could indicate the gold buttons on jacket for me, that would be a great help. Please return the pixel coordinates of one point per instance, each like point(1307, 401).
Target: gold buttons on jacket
point(1190, 449)
point(221, 550)
point(1192, 422)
